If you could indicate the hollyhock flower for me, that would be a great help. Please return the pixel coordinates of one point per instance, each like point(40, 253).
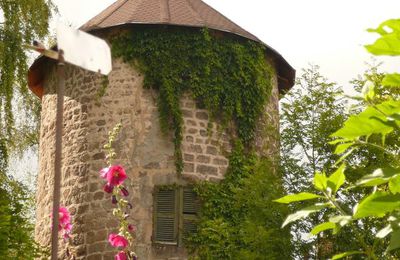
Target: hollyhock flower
point(103, 172)
point(121, 256)
point(124, 191)
point(116, 175)
point(108, 188)
point(68, 227)
point(64, 216)
point(117, 240)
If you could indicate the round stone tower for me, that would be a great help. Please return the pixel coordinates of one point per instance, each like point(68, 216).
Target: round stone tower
point(146, 153)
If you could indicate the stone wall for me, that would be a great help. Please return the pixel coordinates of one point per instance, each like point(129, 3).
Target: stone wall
point(145, 152)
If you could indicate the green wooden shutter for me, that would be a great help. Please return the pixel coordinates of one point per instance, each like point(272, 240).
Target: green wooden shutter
point(190, 208)
point(165, 226)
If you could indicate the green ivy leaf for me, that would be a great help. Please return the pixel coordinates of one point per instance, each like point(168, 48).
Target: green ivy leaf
point(377, 205)
point(322, 227)
point(320, 181)
point(336, 180)
point(378, 177)
point(298, 197)
point(348, 253)
point(394, 241)
point(303, 213)
point(391, 80)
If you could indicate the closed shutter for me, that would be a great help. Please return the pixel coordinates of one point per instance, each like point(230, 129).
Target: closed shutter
point(165, 218)
point(189, 211)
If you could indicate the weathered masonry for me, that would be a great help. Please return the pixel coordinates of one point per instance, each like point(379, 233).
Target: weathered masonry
point(162, 216)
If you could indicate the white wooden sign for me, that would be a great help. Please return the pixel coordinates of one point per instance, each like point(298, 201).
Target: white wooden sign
point(84, 50)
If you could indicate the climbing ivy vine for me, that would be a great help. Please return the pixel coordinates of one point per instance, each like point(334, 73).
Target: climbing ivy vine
point(226, 75)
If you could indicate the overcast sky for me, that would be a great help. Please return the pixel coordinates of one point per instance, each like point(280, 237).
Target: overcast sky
point(327, 33)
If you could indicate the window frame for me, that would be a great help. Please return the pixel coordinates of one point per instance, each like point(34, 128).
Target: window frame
point(179, 215)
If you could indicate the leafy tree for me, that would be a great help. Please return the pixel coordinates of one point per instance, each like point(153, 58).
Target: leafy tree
point(239, 219)
point(20, 22)
point(310, 113)
point(377, 192)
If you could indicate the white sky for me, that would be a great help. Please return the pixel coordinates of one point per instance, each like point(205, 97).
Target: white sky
point(329, 33)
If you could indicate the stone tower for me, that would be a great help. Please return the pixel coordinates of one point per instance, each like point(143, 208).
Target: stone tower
point(146, 153)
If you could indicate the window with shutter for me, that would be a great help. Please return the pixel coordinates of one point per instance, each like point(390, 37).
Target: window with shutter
point(175, 214)
point(165, 217)
point(190, 210)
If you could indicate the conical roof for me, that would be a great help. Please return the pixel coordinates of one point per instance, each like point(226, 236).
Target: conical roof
point(190, 13)
point(193, 13)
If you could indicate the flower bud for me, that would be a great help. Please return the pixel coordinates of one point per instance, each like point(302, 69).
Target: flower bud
point(108, 188)
point(114, 199)
point(124, 191)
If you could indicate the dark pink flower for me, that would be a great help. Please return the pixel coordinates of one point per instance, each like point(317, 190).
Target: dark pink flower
point(121, 256)
point(103, 172)
point(116, 175)
point(64, 216)
point(117, 240)
point(68, 227)
point(108, 188)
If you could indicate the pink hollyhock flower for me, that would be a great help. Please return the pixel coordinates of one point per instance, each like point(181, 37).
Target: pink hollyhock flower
point(120, 256)
point(64, 216)
point(68, 227)
point(108, 188)
point(103, 172)
point(117, 240)
point(116, 175)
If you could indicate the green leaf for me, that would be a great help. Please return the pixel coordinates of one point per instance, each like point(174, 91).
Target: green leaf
point(298, 197)
point(322, 227)
point(377, 205)
point(320, 181)
point(348, 253)
point(391, 80)
point(341, 220)
point(336, 180)
point(368, 90)
point(384, 231)
point(303, 213)
point(371, 121)
point(378, 177)
point(341, 148)
point(389, 42)
point(394, 241)
point(394, 184)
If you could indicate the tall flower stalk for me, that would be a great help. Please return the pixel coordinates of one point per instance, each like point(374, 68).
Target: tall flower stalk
point(115, 177)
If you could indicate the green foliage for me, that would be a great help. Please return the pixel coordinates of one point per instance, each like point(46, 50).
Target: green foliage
point(378, 121)
point(238, 218)
point(16, 229)
point(313, 105)
point(23, 21)
point(228, 76)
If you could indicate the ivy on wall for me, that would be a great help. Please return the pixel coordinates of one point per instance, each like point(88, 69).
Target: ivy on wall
point(229, 77)
point(226, 75)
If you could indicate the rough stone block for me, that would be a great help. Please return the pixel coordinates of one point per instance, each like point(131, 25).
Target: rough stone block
point(206, 169)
